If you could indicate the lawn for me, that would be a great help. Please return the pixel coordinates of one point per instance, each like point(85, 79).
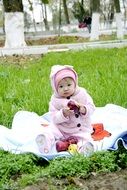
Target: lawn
point(25, 85)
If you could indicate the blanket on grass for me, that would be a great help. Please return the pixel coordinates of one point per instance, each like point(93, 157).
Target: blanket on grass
point(109, 122)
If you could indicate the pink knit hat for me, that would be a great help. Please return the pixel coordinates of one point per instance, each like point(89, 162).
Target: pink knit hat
point(66, 72)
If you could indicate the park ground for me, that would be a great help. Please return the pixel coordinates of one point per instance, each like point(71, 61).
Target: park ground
point(110, 181)
point(50, 40)
point(103, 181)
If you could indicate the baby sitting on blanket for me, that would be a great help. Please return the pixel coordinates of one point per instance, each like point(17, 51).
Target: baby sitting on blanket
point(67, 120)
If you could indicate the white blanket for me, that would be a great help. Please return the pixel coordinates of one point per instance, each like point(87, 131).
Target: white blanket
point(27, 125)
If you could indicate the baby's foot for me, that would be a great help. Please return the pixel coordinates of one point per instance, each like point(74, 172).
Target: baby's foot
point(42, 144)
point(87, 149)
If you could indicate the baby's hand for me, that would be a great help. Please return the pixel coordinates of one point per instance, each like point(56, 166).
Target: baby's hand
point(67, 112)
point(82, 109)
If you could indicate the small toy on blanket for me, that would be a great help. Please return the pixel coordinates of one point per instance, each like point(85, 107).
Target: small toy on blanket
point(99, 132)
point(70, 145)
point(86, 149)
point(73, 148)
point(63, 144)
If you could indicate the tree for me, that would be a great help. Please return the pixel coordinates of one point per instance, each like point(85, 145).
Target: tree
point(111, 13)
point(44, 12)
point(78, 11)
point(59, 17)
point(82, 2)
point(55, 12)
point(32, 10)
point(14, 23)
point(125, 12)
point(66, 12)
point(27, 20)
point(107, 12)
point(95, 7)
point(119, 23)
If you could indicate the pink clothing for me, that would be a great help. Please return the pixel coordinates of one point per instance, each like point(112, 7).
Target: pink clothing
point(62, 74)
point(80, 126)
point(72, 126)
point(47, 138)
point(55, 77)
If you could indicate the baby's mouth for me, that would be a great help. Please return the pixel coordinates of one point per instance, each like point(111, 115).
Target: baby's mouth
point(66, 93)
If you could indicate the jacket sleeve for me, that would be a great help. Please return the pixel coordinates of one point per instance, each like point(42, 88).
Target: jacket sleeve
point(57, 115)
point(87, 101)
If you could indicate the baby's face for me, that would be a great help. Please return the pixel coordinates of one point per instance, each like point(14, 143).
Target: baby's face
point(66, 87)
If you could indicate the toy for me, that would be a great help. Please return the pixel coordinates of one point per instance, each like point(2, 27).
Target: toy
point(63, 144)
point(99, 132)
point(73, 148)
point(73, 106)
point(87, 149)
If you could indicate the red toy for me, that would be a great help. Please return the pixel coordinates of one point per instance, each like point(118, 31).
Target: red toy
point(63, 144)
point(99, 132)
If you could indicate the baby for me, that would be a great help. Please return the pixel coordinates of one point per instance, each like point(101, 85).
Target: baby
point(70, 121)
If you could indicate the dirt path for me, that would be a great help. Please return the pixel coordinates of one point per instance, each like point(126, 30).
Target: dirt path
point(111, 181)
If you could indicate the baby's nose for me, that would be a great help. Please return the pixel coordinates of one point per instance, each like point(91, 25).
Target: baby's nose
point(66, 88)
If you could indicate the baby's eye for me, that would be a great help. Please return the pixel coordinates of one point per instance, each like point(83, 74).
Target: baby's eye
point(60, 86)
point(69, 84)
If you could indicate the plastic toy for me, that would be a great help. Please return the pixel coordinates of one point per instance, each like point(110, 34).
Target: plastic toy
point(99, 132)
point(73, 148)
point(63, 144)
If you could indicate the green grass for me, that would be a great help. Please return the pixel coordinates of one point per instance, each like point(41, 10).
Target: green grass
point(25, 85)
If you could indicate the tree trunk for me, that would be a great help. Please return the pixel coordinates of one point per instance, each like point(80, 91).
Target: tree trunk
point(95, 27)
point(82, 2)
point(119, 23)
point(59, 18)
point(46, 21)
point(66, 12)
point(119, 26)
point(117, 5)
point(95, 6)
point(31, 8)
point(44, 14)
point(125, 13)
point(14, 23)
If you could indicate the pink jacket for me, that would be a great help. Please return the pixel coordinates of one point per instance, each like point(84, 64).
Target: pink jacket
point(71, 125)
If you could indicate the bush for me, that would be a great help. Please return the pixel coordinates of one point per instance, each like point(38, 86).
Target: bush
point(77, 165)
